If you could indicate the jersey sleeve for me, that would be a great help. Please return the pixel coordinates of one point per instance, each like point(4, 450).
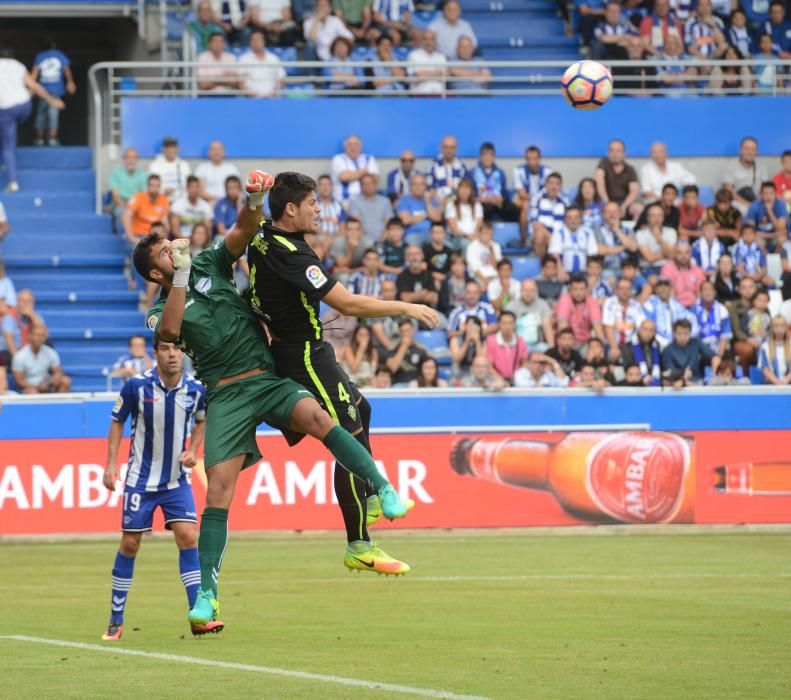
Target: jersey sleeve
point(216, 259)
point(305, 272)
point(125, 404)
point(154, 315)
point(200, 411)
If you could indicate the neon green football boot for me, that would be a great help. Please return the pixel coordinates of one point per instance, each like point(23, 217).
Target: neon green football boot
point(203, 616)
point(366, 556)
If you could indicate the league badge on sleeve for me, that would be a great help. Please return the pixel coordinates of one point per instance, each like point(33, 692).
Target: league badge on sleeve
point(315, 276)
point(152, 322)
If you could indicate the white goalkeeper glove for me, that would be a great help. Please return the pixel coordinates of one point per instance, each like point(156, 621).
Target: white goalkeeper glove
point(257, 185)
point(182, 262)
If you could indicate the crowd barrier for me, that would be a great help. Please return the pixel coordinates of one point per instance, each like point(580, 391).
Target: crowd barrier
point(468, 460)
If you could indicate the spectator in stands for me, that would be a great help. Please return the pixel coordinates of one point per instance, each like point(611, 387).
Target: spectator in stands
point(400, 178)
point(428, 376)
point(482, 255)
point(612, 241)
point(660, 307)
point(596, 358)
point(4, 228)
point(340, 72)
point(418, 210)
point(504, 288)
point(534, 322)
point(200, 239)
point(262, 72)
point(385, 330)
point(371, 208)
point(564, 352)
point(171, 169)
point(367, 281)
point(658, 171)
point(748, 257)
point(769, 216)
point(578, 311)
point(135, 361)
point(591, 12)
point(332, 216)
point(415, 283)
point(704, 34)
point(52, 69)
point(437, 254)
point(726, 281)
point(143, 210)
point(482, 376)
point(631, 377)
point(472, 306)
point(598, 287)
point(36, 367)
point(233, 17)
point(407, 356)
point(738, 308)
point(449, 28)
point(743, 176)
point(491, 187)
point(713, 320)
point(589, 203)
point(213, 175)
point(739, 33)
point(588, 378)
point(464, 215)
point(779, 29)
point(785, 277)
point(428, 65)
point(338, 330)
point(783, 179)
point(731, 79)
point(727, 217)
point(707, 250)
point(672, 214)
point(15, 107)
point(446, 171)
point(549, 285)
point(7, 288)
point(189, 210)
point(227, 209)
point(26, 314)
point(756, 323)
point(726, 375)
point(611, 34)
point(645, 353)
point(10, 335)
point(655, 241)
point(349, 168)
point(217, 70)
point(469, 78)
point(453, 288)
point(202, 26)
point(348, 248)
point(547, 212)
point(394, 17)
point(321, 28)
point(358, 17)
point(529, 178)
point(540, 371)
point(571, 244)
point(360, 358)
point(656, 27)
point(630, 272)
point(466, 346)
point(691, 214)
point(768, 73)
point(684, 275)
point(684, 358)
point(383, 379)
point(616, 180)
point(621, 315)
point(125, 181)
point(392, 248)
point(385, 78)
point(640, 78)
point(774, 357)
point(274, 19)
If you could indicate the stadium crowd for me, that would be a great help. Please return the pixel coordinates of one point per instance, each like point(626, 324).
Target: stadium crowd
point(637, 284)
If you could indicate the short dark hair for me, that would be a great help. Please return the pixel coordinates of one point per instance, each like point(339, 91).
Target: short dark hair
point(394, 221)
point(682, 323)
point(548, 259)
point(289, 188)
point(214, 34)
point(487, 146)
point(324, 177)
point(595, 340)
point(565, 331)
point(136, 335)
point(596, 259)
point(631, 365)
point(368, 251)
point(353, 220)
point(232, 178)
point(153, 176)
point(141, 257)
point(768, 185)
point(508, 313)
point(573, 207)
point(578, 278)
point(669, 186)
point(723, 195)
point(690, 188)
point(785, 154)
point(628, 262)
point(504, 262)
point(191, 179)
point(557, 176)
point(405, 321)
point(533, 149)
point(748, 227)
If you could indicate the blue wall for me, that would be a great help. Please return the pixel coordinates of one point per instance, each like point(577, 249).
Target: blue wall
point(658, 410)
point(315, 128)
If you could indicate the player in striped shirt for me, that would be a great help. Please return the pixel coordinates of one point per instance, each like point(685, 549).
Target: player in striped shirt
point(547, 212)
point(162, 402)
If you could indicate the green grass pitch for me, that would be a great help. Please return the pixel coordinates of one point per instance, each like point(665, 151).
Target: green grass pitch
point(498, 615)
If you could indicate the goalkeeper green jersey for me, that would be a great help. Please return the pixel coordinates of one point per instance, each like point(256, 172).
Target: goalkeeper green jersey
point(218, 332)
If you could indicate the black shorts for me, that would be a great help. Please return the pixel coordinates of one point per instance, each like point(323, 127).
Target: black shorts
point(313, 365)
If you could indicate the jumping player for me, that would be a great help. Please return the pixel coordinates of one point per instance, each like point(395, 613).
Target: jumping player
point(162, 403)
point(200, 308)
point(287, 283)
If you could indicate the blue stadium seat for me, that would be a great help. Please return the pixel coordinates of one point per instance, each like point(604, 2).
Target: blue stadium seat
point(421, 20)
point(472, 7)
point(756, 375)
point(505, 232)
point(57, 158)
point(363, 53)
point(432, 340)
point(401, 52)
point(287, 54)
point(706, 195)
point(525, 267)
point(53, 203)
point(57, 244)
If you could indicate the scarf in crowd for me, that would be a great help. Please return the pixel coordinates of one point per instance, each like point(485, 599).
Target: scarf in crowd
point(639, 356)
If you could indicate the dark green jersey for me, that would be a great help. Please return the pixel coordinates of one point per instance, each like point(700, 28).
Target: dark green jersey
point(287, 283)
point(218, 331)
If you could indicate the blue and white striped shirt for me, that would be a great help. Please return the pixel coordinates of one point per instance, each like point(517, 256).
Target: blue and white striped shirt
point(664, 314)
point(483, 311)
point(620, 29)
point(445, 178)
point(331, 216)
point(360, 283)
point(161, 421)
point(701, 35)
point(341, 163)
point(751, 256)
point(549, 212)
point(530, 182)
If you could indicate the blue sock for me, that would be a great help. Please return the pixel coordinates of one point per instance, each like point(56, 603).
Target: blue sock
point(122, 582)
point(189, 566)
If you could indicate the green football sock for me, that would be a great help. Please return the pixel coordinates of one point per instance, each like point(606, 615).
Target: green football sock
point(211, 546)
point(352, 455)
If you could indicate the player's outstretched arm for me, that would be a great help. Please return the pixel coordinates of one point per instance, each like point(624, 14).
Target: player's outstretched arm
point(340, 299)
point(173, 313)
point(257, 185)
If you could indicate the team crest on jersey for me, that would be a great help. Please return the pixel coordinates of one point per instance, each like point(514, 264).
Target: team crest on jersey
point(119, 402)
point(204, 285)
point(152, 322)
point(315, 276)
point(352, 411)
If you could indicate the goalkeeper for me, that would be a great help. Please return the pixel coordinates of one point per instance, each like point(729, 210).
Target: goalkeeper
point(200, 310)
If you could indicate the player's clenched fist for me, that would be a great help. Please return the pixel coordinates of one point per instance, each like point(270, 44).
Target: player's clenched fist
point(182, 261)
point(257, 185)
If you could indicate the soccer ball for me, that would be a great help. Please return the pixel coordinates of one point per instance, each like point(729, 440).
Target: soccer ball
point(586, 85)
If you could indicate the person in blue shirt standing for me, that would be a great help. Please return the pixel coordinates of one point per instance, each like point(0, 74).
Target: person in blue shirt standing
point(52, 69)
point(491, 187)
point(769, 216)
point(162, 403)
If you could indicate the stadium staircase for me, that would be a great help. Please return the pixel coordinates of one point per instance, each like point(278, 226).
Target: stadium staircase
point(70, 259)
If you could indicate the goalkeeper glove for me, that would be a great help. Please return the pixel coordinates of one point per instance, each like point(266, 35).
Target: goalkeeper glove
point(257, 185)
point(182, 262)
